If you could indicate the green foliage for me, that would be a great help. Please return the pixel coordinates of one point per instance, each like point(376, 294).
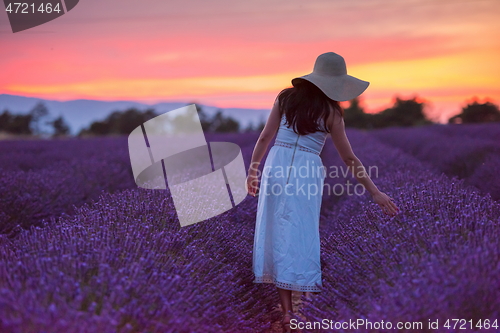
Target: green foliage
point(476, 112)
point(29, 124)
point(204, 118)
point(15, 124)
point(403, 113)
point(251, 127)
point(38, 112)
point(125, 122)
point(119, 122)
point(355, 116)
point(223, 124)
point(218, 123)
point(60, 127)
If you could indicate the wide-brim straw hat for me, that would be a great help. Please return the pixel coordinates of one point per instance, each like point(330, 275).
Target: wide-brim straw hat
point(330, 75)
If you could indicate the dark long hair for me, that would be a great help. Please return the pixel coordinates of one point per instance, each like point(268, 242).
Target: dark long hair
point(304, 105)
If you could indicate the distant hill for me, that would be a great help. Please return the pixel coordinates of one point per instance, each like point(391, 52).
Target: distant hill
point(81, 112)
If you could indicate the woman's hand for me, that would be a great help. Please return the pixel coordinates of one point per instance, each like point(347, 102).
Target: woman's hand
point(385, 202)
point(252, 183)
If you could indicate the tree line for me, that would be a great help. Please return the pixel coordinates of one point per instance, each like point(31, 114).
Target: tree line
point(124, 122)
point(409, 112)
point(30, 123)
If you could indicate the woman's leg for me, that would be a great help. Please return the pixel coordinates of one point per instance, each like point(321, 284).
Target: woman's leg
point(286, 300)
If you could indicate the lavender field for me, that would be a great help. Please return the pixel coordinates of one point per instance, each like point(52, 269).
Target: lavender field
point(82, 249)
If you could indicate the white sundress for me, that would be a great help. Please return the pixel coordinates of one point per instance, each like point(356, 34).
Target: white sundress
point(286, 249)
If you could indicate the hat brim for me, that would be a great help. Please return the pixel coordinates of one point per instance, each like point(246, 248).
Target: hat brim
point(340, 88)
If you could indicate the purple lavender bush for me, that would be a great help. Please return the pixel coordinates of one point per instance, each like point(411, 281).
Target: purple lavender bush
point(43, 179)
point(437, 259)
point(33, 155)
point(456, 150)
point(121, 263)
point(47, 178)
point(485, 131)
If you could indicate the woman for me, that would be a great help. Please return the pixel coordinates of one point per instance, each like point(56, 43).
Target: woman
point(286, 248)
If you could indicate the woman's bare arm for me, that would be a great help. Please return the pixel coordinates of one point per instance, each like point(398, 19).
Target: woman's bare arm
point(272, 125)
point(339, 138)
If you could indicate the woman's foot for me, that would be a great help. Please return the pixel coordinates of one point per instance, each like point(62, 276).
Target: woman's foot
point(285, 322)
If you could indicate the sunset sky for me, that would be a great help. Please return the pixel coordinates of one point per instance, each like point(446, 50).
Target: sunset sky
point(242, 53)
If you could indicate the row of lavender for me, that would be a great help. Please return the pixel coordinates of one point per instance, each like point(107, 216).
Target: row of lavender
point(470, 152)
point(123, 264)
point(437, 259)
point(44, 179)
point(41, 179)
